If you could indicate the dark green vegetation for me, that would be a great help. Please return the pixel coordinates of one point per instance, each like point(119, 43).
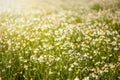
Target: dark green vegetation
point(61, 40)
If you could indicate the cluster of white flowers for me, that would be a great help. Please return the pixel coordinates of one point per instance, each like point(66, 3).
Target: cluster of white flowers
point(56, 41)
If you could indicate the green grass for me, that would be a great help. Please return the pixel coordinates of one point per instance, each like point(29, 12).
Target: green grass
point(70, 42)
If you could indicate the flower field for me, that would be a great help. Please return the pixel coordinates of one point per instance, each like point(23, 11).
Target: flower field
point(60, 40)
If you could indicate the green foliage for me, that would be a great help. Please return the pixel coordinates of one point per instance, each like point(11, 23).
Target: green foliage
point(64, 43)
point(97, 7)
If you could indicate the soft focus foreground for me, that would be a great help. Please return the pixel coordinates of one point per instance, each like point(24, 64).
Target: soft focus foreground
point(59, 40)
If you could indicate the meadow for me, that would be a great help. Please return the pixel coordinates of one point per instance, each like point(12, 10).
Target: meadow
point(60, 40)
